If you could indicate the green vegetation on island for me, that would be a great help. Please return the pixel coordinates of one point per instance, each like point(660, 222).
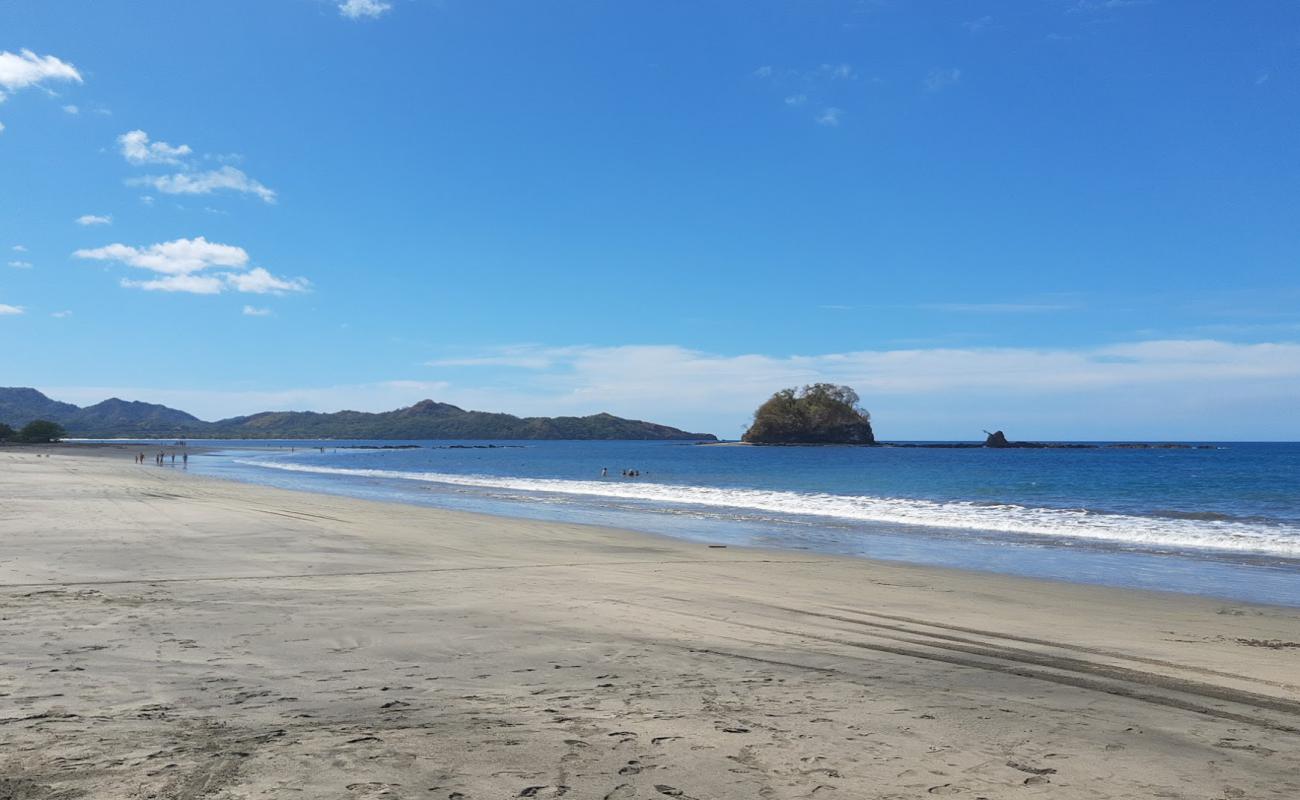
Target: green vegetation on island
point(821, 413)
point(424, 420)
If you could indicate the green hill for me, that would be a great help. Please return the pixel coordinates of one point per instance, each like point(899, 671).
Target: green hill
point(424, 420)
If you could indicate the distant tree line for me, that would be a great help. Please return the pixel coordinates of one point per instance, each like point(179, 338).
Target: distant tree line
point(38, 431)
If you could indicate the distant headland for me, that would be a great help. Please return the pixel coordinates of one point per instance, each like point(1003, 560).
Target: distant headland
point(426, 419)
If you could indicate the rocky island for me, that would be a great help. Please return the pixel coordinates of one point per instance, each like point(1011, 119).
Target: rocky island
point(821, 413)
point(824, 413)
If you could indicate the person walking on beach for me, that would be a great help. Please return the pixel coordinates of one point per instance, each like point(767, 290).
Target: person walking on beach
point(185, 460)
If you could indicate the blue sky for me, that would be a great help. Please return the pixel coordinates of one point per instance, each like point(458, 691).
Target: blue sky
point(1066, 218)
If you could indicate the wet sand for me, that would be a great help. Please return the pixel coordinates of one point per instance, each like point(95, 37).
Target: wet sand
point(164, 635)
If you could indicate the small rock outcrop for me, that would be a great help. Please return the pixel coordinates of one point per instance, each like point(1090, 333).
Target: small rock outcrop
point(997, 439)
point(822, 413)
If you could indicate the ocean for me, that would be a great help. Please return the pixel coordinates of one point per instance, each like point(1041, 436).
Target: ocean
point(1222, 521)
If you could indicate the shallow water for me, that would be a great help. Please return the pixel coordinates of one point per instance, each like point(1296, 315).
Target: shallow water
point(1223, 521)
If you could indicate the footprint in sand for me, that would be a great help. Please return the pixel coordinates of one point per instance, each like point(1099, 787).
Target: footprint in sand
point(945, 789)
point(621, 792)
point(373, 789)
point(544, 791)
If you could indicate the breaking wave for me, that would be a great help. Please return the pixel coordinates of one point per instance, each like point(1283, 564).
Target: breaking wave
point(1164, 532)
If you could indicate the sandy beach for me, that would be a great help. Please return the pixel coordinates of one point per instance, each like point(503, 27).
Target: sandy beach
point(169, 636)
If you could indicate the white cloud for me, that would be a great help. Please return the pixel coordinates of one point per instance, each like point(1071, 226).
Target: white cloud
point(259, 281)
point(1105, 5)
point(941, 78)
point(972, 387)
point(181, 261)
point(830, 117)
point(188, 283)
point(8, 310)
point(179, 257)
point(137, 149)
point(796, 99)
point(1190, 389)
point(2, 127)
point(206, 183)
point(20, 264)
point(19, 248)
point(356, 9)
point(61, 314)
point(24, 68)
point(71, 109)
point(837, 72)
point(763, 72)
point(996, 308)
point(95, 219)
point(254, 311)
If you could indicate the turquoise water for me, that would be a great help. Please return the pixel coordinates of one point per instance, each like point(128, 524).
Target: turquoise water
point(1221, 521)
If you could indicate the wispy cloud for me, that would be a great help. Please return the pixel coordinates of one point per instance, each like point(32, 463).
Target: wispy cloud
point(1146, 389)
point(676, 383)
point(7, 310)
point(996, 308)
point(19, 248)
point(254, 311)
point(259, 281)
point(136, 148)
point(226, 178)
point(1084, 6)
point(362, 9)
point(24, 69)
point(816, 87)
point(61, 314)
point(830, 117)
point(16, 264)
point(941, 78)
point(72, 109)
point(95, 219)
point(184, 264)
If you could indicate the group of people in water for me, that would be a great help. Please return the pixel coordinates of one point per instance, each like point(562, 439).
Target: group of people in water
point(160, 458)
point(627, 473)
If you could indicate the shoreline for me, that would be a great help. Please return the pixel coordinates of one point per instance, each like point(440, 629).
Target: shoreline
point(180, 635)
point(1237, 575)
point(775, 553)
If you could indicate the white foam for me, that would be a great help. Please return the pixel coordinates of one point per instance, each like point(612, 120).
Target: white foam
point(1130, 530)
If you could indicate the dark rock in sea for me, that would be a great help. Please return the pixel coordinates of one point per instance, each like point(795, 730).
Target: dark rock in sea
point(998, 441)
